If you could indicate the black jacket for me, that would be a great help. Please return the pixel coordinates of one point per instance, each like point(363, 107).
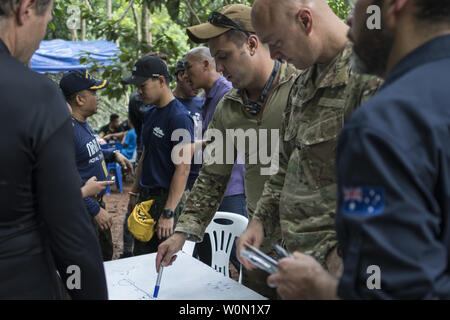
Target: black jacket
point(44, 226)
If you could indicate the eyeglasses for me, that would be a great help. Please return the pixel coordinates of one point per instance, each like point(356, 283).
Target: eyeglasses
point(352, 3)
point(217, 18)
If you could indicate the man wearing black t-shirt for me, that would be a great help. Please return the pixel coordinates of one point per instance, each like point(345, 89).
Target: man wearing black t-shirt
point(44, 226)
point(113, 131)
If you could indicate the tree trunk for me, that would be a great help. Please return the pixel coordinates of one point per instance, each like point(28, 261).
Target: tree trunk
point(74, 34)
point(108, 9)
point(146, 23)
point(138, 25)
point(83, 30)
point(83, 24)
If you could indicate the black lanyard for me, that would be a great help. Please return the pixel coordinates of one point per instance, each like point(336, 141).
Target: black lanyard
point(255, 107)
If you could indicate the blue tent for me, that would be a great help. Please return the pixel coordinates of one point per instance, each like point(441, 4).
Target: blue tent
point(56, 56)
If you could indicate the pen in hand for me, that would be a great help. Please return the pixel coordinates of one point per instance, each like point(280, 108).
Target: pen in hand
point(158, 281)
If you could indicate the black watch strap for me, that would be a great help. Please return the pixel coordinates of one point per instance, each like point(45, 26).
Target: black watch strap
point(168, 213)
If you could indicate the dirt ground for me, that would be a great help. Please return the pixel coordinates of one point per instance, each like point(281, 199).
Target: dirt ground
point(116, 205)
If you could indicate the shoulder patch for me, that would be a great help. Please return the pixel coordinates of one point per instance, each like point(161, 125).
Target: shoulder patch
point(365, 201)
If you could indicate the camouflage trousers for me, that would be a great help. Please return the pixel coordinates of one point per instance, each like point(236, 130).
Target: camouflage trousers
point(160, 197)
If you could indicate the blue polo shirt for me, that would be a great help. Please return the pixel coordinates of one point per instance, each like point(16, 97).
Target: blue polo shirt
point(159, 125)
point(90, 159)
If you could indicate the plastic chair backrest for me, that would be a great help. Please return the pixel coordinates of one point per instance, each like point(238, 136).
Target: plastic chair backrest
point(224, 228)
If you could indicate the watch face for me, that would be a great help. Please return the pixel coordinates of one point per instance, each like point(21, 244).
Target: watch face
point(168, 214)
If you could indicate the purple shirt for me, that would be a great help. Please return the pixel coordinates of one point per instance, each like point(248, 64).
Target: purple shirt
point(219, 89)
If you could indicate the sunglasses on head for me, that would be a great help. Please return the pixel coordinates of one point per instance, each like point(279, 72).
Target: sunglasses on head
point(219, 19)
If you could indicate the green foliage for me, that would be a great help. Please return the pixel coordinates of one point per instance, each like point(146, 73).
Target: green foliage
point(169, 20)
point(340, 7)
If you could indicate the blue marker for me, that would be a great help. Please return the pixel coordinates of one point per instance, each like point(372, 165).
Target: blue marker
point(158, 281)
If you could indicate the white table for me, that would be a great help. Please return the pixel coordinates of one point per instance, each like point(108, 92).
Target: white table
point(187, 279)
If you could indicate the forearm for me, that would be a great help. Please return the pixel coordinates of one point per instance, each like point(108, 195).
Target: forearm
point(177, 186)
point(92, 206)
point(202, 203)
point(136, 186)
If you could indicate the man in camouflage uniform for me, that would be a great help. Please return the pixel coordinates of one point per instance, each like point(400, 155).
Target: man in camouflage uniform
point(234, 47)
point(302, 195)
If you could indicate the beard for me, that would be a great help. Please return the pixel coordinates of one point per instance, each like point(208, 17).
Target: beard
point(371, 53)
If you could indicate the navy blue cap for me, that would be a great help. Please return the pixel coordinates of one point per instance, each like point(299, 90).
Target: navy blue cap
point(146, 68)
point(78, 80)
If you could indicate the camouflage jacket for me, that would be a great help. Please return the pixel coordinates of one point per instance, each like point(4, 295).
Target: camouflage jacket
point(209, 188)
point(301, 197)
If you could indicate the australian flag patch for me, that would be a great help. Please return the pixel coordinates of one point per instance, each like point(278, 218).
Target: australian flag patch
point(365, 201)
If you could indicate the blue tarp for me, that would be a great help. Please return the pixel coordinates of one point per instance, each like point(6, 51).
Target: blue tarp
point(56, 56)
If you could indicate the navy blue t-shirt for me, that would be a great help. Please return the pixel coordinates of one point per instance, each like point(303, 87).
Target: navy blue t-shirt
point(194, 107)
point(90, 159)
point(159, 124)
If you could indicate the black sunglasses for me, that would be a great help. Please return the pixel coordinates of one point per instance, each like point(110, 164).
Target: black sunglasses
point(219, 19)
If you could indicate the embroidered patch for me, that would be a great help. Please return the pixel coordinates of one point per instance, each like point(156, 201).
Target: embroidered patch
point(366, 201)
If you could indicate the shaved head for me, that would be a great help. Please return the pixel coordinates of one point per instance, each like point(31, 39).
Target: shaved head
point(272, 9)
point(302, 32)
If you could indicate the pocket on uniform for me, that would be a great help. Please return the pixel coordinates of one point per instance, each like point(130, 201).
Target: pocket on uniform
point(317, 141)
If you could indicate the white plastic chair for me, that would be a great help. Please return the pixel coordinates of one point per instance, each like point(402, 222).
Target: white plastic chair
point(224, 228)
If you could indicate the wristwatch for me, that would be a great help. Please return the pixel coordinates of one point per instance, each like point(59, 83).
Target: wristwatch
point(168, 213)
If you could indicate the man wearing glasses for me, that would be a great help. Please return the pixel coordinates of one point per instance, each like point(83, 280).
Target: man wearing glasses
point(256, 103)
point(80, 90)
point(393, 165)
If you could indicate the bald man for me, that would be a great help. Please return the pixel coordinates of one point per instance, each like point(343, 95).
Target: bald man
point(255, 105)
point(301, 197)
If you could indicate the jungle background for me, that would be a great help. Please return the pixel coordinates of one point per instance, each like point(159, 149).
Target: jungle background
point(137, 27)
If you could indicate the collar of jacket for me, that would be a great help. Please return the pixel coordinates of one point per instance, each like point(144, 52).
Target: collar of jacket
point(287, 71)
point(4, 48)
point(335, 74)
point(433, 50)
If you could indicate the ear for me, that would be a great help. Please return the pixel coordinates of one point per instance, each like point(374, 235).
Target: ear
point(180, 76)
point(79, 99)
point(206, 65)
point(392, 9)
point(253, 44)
point(162, 81)
point(24, 11)
point(304, 19)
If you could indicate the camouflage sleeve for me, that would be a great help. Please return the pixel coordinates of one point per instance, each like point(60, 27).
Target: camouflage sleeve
point(267, 209)
point(209, 188)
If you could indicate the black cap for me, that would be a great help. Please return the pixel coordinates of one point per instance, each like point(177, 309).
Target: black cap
point(78, 80)
point(179, 67)
point(148, 67)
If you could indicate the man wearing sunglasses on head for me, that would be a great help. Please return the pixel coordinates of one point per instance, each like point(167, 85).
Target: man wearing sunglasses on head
point(256, 103)
point(392, 164)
